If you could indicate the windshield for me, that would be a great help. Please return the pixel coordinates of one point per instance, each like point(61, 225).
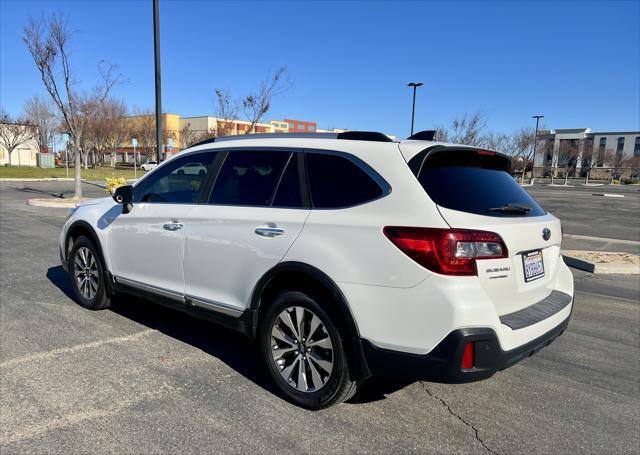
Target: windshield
point(476, 190)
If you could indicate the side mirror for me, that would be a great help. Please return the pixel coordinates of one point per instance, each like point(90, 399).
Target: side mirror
point(124, 195)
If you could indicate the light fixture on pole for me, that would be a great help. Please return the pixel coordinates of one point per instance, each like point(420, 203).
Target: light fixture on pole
point(415, 85)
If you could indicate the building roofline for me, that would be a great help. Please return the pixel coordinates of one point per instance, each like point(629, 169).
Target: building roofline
point(619, 133)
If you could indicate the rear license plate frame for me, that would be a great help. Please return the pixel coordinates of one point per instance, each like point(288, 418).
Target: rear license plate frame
point(529, 254)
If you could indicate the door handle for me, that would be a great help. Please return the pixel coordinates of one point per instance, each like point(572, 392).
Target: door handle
point(173, 226)
point(269, 232)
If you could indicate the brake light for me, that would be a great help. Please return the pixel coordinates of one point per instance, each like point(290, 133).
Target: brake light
point(485, 152)
point(447, 251)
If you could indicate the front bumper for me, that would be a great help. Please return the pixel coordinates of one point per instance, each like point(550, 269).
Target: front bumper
point(63, 261)
point(443, 364)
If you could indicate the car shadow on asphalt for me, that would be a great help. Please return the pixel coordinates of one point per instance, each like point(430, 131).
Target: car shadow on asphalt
point(47, 193)
point(61, 280)
point(232, 348)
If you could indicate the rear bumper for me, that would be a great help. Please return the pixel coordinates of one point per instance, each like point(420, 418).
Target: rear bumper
point(442, 364)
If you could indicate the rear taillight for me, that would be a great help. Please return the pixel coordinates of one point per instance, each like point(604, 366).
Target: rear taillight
point(447, 251)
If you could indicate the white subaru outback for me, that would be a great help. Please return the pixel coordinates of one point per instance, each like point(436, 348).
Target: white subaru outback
point(343, 256)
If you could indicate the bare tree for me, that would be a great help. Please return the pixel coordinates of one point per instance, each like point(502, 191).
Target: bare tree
point(568, 152)
point(15, 132)
point(441, 134)
point(468, 129)
point(500, 142)
point(48, 41)
point(189, 136)
point(257, 104)
point(104, 131)
point(634, 165)
point(226, 111)
point(142, 126)
point(616, 161)
point(524, 141)
point(589, 160)
point(40, 112)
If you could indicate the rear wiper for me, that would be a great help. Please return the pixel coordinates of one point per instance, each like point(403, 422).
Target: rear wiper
point(512, 208)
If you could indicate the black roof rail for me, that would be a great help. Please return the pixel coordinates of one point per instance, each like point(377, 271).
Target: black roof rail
point(426, 135)
point(373, 136)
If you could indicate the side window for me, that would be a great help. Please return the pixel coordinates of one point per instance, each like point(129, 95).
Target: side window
point(288, 192)
point(249, 177)
point(176, 182)
point(336, 181)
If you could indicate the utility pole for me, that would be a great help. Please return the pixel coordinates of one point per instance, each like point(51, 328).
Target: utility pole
point(535, 144)
point(415, 85)
point(156, 52)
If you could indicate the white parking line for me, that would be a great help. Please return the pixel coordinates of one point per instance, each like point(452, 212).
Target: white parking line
point(7, 436)
point(72, 349)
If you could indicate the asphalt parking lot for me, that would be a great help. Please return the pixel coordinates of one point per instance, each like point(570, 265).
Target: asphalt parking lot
point(139, 378)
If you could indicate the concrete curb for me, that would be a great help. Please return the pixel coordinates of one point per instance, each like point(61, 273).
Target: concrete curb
point(601, 268)
point(55, 203)
point(50, 179)
point(607, 194)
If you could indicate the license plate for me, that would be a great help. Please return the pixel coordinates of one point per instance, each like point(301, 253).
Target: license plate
point(533, 265)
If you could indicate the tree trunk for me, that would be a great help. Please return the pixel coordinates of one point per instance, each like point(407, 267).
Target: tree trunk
point(586, 182)
point(78, 178)
point(9, 152)
point(566, 176)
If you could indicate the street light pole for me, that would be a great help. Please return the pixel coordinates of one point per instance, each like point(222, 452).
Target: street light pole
point(535, 143)
point(415, 85)
point(156, 52)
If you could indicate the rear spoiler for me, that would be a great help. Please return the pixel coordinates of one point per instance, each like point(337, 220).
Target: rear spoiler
point(459, 156)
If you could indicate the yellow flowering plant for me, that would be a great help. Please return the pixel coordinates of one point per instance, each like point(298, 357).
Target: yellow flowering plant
point(114, 182)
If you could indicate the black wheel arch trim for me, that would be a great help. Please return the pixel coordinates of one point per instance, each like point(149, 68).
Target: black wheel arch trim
point(354, 344)
point(96, 241)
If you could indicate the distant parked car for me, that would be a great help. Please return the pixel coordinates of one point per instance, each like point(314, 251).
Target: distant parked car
point(191, 169)
point(149, 165)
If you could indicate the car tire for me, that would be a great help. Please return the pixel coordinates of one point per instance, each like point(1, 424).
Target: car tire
point(87, 275)
point(325, 377)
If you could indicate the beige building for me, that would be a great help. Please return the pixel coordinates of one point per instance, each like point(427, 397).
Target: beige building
point(279, 126)
point(204, 126)
point(22, 155)
point(576, 150)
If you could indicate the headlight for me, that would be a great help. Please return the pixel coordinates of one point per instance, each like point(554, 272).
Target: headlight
point(71, 211)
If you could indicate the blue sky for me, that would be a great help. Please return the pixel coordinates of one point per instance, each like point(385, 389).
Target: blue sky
point(575, 62)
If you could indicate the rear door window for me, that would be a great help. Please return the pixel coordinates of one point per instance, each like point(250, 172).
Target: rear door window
point(335, 182)
point(477, 188)
point(249, 177)
point(289, 191)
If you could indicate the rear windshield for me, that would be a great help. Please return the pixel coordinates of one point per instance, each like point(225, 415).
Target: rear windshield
point(478, 190)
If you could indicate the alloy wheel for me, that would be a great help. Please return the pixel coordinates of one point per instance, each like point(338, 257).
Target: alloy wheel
point(85, 272)
point(302, 349)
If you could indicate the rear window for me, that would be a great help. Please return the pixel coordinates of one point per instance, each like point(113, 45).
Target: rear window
point(478, 190)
